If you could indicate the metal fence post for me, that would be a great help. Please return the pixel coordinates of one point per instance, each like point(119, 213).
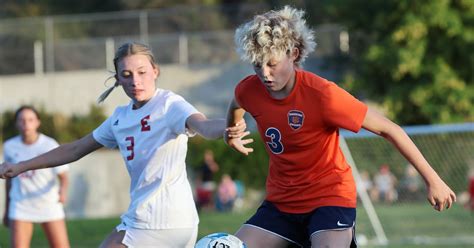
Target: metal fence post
point(49, 39)
point(38, 58)
point(183, 49)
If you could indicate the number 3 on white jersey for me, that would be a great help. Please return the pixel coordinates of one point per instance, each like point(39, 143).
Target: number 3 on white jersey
point(275, 144)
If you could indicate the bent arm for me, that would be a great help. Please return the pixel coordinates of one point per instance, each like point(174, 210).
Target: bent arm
point(235, 114)
point(439, 193)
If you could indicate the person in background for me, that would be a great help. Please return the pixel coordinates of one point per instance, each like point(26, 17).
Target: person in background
point(411, 185)
point(310, 191)
point(385, 183)
point(151, 133)
point(205, 185)
point(36, 196)
point(471, 190)
point(226, 194)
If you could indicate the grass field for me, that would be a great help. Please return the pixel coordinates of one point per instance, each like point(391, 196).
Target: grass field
point(407, 225)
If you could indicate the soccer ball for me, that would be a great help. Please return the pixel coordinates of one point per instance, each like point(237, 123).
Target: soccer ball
point(220, 240)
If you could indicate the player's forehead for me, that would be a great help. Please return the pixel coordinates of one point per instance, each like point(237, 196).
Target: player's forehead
point(134, 62)
point(269, 58)
point(27, 114)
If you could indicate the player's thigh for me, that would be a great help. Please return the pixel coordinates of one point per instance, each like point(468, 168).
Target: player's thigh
point(56, 233)
point(114, 240)
point(21, 232)
point(255, 237)
point(332, 238)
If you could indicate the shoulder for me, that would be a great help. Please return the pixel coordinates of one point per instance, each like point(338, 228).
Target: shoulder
point(167, 95)
point(12, 141)
point(46, 139)
point(313, 80)
point(247, 82)
point(315, 84)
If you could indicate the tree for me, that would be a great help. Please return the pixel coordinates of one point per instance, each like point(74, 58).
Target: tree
point(415, 58)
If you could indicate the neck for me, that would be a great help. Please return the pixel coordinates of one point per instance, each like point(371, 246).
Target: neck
point(285, 91)
point(30, 139)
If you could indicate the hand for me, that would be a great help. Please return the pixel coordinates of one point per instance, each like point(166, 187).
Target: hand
point(8, 170)
point(238, 144)
point(236, 131)
point(440, 195)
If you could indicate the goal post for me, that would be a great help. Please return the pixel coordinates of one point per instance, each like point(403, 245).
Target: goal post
point(401, 214)
point(364, 196)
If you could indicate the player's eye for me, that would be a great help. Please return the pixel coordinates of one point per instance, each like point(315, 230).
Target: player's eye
point(126, 74)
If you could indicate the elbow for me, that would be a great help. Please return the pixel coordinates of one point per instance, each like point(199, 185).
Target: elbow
point(391, 131)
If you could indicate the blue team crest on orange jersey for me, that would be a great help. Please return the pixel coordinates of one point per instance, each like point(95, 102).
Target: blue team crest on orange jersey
point(295, 119)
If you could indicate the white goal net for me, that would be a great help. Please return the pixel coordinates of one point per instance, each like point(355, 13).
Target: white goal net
point(392, 206)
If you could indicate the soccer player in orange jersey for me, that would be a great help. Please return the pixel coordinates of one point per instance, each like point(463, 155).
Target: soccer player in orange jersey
point(311, 194)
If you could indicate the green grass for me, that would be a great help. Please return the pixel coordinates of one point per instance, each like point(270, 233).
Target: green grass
point(405, 226)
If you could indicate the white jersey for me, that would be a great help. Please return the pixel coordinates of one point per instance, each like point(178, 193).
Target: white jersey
point(34, 195)
point(153, 144)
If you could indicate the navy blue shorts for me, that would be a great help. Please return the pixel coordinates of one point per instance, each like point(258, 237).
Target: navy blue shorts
point(298, 228)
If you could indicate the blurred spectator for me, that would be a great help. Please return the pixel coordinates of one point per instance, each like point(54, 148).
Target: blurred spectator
point(205, 185)
point(239, 200)
point(411, 185)
point(385, 183)
point(226, 194)
point(365, 180)
point(471, 191)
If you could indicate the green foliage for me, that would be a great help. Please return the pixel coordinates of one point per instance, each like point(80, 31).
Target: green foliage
point(413, 57)
point(63, 129)
point(251, 170)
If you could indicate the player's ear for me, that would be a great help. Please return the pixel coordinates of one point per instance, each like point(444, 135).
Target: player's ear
point(156, 70)
point(294, 53)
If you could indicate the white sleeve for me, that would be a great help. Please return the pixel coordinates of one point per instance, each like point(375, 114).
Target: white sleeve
point(104, 135)
point(6, 156)
point(178, 112)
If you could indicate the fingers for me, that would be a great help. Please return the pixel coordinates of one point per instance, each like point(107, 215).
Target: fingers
point(247, 141)
point(432, 201)
point(244, 150)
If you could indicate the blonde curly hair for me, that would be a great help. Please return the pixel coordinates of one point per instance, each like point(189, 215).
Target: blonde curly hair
point(273, 35)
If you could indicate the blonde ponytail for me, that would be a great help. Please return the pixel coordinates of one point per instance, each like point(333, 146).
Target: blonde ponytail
point(123, 51)
point(106, 93)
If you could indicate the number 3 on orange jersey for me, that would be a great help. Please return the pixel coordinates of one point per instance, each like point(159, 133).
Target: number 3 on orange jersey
point(275, 144)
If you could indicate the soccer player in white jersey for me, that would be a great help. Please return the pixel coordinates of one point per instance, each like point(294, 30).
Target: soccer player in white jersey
point(35, 196)
point(151, 133)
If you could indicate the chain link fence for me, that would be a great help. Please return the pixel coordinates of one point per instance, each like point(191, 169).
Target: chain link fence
point(195, 35)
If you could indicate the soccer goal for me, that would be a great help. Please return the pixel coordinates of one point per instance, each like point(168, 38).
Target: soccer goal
point(392, 205)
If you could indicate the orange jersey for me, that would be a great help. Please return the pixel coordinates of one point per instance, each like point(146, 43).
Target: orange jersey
point(301, 132)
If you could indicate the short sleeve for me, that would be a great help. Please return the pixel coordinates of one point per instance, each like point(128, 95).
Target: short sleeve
point(178, 112)
point(104, 135)
point(6, 156)
point(61, 169)
point(341, 109)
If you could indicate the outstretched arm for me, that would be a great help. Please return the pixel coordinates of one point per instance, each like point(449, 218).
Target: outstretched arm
point(61, 155)
point(439, 194)
point(214, 128)
point(207, 128)
point(235, 113)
